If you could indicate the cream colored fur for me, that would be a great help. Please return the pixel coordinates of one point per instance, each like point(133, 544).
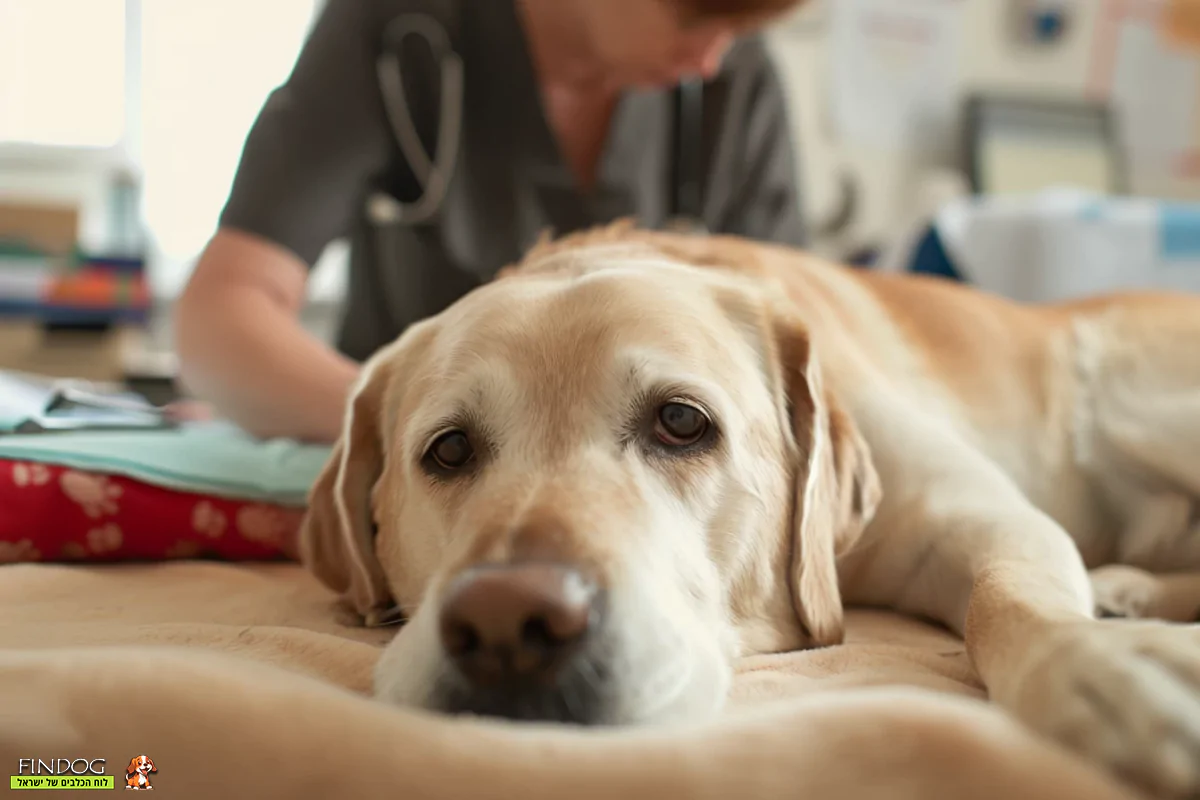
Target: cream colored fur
point(884, 440)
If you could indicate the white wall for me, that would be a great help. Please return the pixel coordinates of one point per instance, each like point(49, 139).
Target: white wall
point(895, 186)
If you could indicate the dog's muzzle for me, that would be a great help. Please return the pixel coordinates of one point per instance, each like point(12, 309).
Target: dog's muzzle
point(524, 642)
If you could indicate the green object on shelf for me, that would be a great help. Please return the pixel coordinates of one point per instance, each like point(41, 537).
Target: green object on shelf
point(16, 248)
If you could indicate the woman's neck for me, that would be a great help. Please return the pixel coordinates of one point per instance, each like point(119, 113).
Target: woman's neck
point(560, 50)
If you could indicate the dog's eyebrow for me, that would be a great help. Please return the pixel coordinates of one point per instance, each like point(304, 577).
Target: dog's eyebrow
point(646, 371)
point(420, 429)
point(463, 402)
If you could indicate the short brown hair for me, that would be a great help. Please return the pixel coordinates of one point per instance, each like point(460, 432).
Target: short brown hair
point(733, 9)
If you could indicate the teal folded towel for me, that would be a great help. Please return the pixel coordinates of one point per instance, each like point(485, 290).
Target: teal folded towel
point(213, 458)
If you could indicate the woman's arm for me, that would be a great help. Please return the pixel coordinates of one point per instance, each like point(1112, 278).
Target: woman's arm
point(316, 146)
point(242, 348)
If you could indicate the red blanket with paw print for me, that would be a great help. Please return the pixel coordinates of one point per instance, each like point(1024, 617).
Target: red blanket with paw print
point(53, 513)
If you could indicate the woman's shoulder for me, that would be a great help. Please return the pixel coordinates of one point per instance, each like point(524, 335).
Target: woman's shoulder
point(749, 54)
point(447, 13)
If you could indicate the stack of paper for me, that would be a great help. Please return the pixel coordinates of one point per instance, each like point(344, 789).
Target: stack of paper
point(22, 396)
point(33, 404)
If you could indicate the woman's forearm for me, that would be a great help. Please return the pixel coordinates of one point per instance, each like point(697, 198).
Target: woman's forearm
point(264, 372)
point(242, 348)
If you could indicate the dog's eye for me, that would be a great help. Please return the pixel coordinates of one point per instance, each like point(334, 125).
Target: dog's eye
point(679, 424)
point(452, 450)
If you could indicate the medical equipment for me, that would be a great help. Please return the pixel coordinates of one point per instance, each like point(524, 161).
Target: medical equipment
point(1016, 144)
point(1059, 244)
point(433, 173)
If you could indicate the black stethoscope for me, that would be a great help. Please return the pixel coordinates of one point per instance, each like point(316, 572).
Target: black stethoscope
point(433, 172)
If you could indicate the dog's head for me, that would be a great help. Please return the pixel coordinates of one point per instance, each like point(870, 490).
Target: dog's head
point(140, 764)
point(588, 487)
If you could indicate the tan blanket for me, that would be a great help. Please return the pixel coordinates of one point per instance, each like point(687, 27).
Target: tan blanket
point(240, 681)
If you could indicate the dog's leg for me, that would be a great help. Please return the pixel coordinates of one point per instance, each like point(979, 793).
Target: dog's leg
point(1132, 593)
point(959, 542)
point(1138, 427)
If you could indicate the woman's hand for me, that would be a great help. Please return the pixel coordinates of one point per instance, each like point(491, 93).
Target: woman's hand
point(189, 411)
point(242, 348)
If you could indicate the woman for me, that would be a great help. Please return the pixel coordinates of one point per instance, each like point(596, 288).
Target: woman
point(567, 122)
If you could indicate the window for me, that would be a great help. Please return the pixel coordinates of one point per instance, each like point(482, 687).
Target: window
point(62, 72)
point(164, 88)
point(206, 69)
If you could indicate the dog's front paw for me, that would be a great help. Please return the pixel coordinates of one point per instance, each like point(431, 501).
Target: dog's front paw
point(1126, 694)
point(1126, 592)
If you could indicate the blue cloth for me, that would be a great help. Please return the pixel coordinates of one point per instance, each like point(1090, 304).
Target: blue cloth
point(931, 257)
point(1179, 231)
point(213, 458)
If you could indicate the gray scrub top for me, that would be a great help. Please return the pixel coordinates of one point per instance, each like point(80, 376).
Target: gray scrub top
point(322, 143)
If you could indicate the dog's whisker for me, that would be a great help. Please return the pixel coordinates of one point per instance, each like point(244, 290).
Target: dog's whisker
point(664, 686)
point(574, 710)
point(589, 675)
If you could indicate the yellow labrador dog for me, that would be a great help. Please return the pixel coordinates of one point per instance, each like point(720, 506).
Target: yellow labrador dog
point(591, 484)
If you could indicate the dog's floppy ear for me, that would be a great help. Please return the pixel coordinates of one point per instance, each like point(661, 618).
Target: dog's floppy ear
point(337, 534)
point(836, 487)
point(150, 761)
point(131, 767)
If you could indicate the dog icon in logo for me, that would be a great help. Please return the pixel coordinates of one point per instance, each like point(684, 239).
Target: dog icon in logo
point(137, 774)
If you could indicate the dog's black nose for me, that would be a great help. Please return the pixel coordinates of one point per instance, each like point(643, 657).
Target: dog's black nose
point(517, 623)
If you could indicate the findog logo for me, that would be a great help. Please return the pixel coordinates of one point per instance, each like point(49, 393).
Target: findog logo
point(61, 773)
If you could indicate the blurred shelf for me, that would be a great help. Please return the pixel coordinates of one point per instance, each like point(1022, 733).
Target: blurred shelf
point(98, 355)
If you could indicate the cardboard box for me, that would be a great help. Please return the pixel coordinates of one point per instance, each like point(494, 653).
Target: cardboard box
point(25, 346)
point(51, 228)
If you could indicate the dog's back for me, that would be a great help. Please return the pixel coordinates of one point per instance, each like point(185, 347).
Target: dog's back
point(1091, 406)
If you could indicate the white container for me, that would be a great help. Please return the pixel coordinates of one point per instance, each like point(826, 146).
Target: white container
point(1064, 244)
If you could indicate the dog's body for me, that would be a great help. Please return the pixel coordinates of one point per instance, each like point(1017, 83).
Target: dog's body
point(871, 439)
point(1091, 408)
point(137, 774)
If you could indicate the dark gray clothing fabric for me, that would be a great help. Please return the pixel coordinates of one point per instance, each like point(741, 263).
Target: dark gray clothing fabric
point(322, 144)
